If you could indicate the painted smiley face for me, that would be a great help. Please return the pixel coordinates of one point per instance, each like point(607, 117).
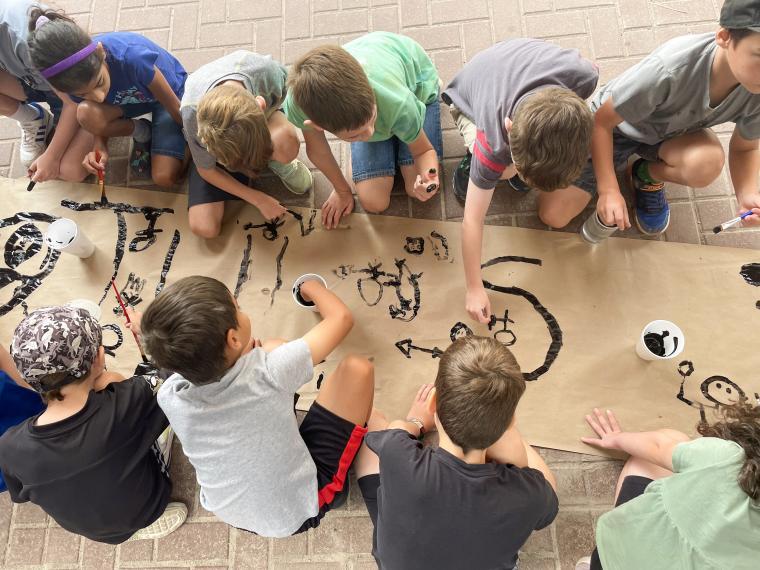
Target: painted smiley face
point(722, 391)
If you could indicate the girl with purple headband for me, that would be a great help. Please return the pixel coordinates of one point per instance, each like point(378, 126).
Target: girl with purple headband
point(22, 89)
point(115, 78)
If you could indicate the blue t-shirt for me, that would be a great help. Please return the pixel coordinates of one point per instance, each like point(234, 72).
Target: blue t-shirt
point(16, 405)
point(132, 60)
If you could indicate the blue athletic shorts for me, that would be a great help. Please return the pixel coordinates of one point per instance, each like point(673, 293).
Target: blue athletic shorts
point(37, 96)
point(378, 159)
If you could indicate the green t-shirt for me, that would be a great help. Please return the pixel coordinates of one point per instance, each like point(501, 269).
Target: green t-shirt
point(401, 75)
point(697, 519)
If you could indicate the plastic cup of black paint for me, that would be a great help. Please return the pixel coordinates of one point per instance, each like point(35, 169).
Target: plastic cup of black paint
point(66, 236)
point(660, 340)
point(300, 301)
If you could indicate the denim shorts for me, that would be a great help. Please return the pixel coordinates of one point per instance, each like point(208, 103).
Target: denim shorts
point(622, 149)
point(166, 137)
point(37, 96)
point(378, 159)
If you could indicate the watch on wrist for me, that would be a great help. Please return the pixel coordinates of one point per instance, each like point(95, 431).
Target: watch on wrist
point(419, 424)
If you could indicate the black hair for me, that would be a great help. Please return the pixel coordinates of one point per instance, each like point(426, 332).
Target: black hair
point(56, 40)
point(738, 34)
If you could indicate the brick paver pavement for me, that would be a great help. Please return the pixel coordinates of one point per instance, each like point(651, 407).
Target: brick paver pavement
point(615, 33)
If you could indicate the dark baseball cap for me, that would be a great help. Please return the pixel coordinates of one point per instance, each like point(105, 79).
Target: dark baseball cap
point(741, 14)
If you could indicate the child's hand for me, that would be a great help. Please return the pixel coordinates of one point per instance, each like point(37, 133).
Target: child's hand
point(606, 427)
point(310, 288)
point(420, 408)
point(478, 305)
point(270, 208)
point(426, 186)
point(91, 162)
point(44, 168)
point(612, 210)
point(751, 202)
point(135, 317)
point(339, 204)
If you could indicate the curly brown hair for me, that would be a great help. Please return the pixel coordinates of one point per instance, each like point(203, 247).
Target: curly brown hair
point(741, 424)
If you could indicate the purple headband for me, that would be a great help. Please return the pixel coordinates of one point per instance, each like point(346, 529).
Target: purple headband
point(70, 61)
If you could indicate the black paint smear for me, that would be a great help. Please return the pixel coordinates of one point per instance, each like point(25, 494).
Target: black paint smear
point(505, 330)
point(309, 227)
point(320, 379)
point(374, 273)
point(148, 235)
point(23, 244)
point(271, 228)
point(405, 305)
point(757, 305)
point(278, 282)
point(459, 330)
point(415, 245)
point(121, 239)
point(444, 245)
point(168, 261)
point(555, 332)
point(245, 266)
point(751, 273)
point(110, 349)
point(130, 293)
point(27, 284)
point(686, 369)
point(406, 347)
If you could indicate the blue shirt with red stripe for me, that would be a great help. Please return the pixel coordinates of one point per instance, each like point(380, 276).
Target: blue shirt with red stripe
point(492, 85)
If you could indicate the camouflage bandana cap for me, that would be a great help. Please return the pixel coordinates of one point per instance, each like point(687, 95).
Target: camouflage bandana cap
point(54, 340)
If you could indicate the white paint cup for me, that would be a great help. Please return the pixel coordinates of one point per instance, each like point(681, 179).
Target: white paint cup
point(89, 306)
point(300, 301)
point(64, 235)
point(660, 340)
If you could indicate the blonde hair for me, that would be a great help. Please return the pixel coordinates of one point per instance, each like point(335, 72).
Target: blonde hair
point(331, 88)
point(234, 128)
point(550, 138)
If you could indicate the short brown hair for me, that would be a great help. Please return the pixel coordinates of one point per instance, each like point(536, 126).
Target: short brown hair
point(550, 138)
point(234, 129)
point(478, 386)
point(185, 328)
point(741, 424)
point(60, 380)
point(331, 88)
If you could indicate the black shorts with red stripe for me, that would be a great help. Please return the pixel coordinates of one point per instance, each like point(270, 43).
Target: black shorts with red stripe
point(333, 443)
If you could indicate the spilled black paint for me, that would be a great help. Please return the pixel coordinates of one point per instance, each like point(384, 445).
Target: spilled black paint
point(245, 265)
point(168, 261)
point(21, 246)
point(555, 332)
point(278, 280)
point(121, 238)
point(110, 349)
point(415, 245)
point(440, 249)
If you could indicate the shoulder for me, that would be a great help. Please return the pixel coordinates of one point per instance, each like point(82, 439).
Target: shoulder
point(706, 451)
point(386, 441)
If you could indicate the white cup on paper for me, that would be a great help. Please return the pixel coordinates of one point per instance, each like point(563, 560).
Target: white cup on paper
point(89, 306)
point(64, 235)
point(300, 301)
point(660, 340)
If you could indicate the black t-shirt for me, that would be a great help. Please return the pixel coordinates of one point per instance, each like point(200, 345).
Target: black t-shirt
point(436, 511)
point(94, 472)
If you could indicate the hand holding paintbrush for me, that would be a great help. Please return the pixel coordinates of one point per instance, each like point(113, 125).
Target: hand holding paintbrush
point(134, 329)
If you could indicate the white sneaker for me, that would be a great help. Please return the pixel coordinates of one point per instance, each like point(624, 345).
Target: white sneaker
point(583, 564)
point(164, 442)
point(172, 518)
point(34, 137)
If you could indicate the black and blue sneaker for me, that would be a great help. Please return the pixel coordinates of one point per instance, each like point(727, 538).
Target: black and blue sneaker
point(652, 210)
point(518, 184)
point(462, 178)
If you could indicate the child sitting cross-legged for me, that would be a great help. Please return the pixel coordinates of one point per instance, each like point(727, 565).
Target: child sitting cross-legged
point(230, 403)
point(473, 501)
point(90, 459)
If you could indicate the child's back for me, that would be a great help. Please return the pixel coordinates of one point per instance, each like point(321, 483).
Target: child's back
point(88, 460)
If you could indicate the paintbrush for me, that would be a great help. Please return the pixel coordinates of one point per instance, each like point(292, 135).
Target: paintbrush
point(733, 222)
point(129, 321)
point(101, 179)
point(30, 185)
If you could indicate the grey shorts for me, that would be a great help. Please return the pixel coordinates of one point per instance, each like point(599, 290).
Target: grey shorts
point(622, 149)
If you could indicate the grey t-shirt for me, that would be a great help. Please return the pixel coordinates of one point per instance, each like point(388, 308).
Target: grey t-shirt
point(261, 76)
point(667, 94)
point(242, 437)
point(491, 86)
point(14, 51)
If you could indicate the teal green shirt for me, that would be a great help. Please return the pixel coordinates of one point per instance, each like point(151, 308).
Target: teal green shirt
point(401, 75)
point(697, 519)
